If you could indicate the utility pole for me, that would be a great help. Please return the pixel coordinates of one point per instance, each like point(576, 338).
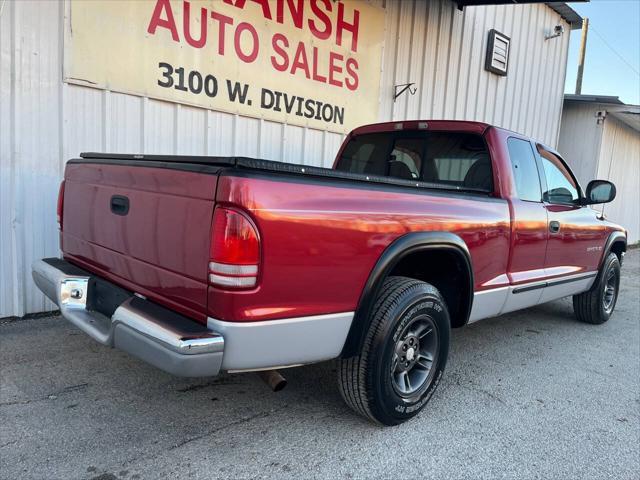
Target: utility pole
point(583, 51)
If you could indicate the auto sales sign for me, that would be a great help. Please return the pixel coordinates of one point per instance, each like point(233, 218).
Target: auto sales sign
point(313, 63)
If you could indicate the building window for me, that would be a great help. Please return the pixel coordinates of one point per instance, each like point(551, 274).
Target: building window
point(498, 48)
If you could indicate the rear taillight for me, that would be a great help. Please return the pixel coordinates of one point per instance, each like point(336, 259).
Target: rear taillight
point(235, 250)
point(60, 204)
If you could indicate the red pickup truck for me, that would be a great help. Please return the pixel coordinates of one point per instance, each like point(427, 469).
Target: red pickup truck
point(199, 265)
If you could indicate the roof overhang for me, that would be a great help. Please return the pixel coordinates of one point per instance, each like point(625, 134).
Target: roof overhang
point(565, 11)
point(628, 114)
point(570, 97)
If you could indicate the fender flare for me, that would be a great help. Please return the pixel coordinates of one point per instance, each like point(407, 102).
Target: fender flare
point(407, 244)
point(615, 236)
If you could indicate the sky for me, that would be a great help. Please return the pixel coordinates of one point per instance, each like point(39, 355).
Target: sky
point(616, 23)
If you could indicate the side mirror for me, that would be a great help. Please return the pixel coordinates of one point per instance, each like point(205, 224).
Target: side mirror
point(599, 191)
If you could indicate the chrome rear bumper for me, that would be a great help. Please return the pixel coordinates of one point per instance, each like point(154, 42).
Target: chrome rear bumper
point(115, 317)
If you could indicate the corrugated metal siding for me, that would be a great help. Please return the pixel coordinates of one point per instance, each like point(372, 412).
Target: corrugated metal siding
point(620, 164)
point(43, 122)
point(580, 139)
point(608, 151)
point(442, 50)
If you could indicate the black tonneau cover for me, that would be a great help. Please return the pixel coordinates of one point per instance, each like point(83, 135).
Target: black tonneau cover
point(257, 164)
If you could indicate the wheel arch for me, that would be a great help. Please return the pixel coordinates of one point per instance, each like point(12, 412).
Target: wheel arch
point(414, 249)
point(616, 243)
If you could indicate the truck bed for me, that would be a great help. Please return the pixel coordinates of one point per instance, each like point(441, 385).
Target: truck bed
point(322, 231)
point(214, 163)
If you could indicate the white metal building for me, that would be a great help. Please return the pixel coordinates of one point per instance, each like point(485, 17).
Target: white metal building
point(47, 117)
point(600, 139)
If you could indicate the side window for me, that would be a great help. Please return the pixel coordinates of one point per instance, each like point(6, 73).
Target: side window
point(561, 187)
point(525, 171)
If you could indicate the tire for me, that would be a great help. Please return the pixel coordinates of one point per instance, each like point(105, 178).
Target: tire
point(410, 322)
point(596, 305)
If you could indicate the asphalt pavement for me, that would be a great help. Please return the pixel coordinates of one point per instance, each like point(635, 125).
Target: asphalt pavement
point(534, 394)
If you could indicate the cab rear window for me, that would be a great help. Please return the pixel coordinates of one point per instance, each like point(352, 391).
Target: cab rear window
point(455, 159)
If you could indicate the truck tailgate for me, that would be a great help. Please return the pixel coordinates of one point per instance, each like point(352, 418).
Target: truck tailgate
point(143, 226)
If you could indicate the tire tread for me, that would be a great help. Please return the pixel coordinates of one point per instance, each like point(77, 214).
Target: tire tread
point(352, 378)
point(586, 305)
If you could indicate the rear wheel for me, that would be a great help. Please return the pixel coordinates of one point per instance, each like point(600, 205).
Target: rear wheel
point(403, 355)
point(596, 305)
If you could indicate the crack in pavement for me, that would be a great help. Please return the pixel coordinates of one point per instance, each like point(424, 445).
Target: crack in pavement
point(132, 462)
point(217, 382)
point(230, 424)
point(455, 378)
point(49, 396)
point(21, 402)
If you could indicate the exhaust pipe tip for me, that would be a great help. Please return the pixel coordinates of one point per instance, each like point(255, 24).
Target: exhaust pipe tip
point(273, 379)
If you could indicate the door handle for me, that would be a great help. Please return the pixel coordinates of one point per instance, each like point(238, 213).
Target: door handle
point(554, 226)
point(119, 205)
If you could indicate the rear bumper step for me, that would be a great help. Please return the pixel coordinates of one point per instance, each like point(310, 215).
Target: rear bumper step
point(114, 317)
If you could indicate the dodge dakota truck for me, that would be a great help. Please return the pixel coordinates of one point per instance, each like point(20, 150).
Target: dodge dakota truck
point(202, 265)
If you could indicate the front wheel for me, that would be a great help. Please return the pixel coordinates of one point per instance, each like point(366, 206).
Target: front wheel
point(403, 354)
point(596, 305)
